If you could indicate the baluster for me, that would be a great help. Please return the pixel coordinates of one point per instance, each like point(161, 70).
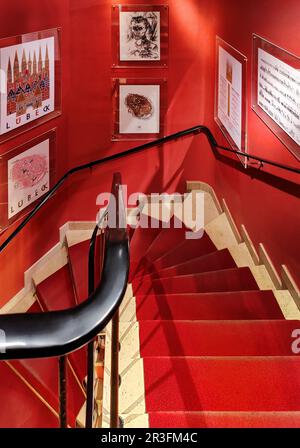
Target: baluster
point(114, 373)
point(62, 391)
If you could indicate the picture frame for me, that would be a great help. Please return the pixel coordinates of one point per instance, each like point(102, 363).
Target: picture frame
point(27, 173)
point(30, 81)
point(139, 108)
point(276, 91)
point(140, 36)
point(231, 100)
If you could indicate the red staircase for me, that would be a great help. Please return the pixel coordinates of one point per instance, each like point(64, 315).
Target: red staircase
point(216, 350)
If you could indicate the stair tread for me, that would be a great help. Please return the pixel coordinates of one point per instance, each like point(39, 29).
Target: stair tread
point(56, 292)
point(184, 251)
point(163, 242)
point(217, 338)
point(222, 384)
point(218, 260)
point(226, 305)
point(141, 241)
point(224, 419)
point(234, 279)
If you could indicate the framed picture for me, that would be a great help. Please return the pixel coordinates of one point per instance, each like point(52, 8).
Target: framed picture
point(30, 81)
point(231, 96)
point(26, 174)
point(139, 108)
point(276, 91)
point(140, 35)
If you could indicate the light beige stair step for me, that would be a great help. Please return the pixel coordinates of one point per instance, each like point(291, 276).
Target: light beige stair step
point(220, 232)
point(53, 264)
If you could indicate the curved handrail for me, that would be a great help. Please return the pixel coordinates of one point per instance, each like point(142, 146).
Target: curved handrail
point(57, 333)
point(199, 129)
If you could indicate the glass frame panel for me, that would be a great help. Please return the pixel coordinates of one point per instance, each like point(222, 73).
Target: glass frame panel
point(275, 99)
point(34, 167)
point(163, 11)
point(46, 108)
point(117, 83)
point(229, 128)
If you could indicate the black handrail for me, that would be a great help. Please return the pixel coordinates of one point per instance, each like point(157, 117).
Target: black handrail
point(194, 130)
point(57, 333)
point(260, 159)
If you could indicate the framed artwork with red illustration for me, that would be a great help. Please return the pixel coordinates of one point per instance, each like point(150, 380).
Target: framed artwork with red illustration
point(139, 108)
point(30, 82)
point(26, 174)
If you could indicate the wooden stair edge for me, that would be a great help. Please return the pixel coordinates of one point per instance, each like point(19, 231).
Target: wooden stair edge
point(282, 281)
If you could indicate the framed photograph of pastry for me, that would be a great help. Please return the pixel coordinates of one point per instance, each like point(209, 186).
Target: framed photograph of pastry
point(140, 35)
point(139, 108)
point(30, 85)
point(276, 91)
point(26, 174)
point(231, 96)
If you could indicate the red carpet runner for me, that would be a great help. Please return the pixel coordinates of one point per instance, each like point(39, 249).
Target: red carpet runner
point(216, 350)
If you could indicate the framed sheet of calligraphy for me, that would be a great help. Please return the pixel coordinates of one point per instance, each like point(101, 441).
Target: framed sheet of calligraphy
point(276, 91)
point(231, 96)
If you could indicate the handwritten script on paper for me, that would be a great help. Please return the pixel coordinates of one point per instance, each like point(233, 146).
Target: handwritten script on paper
point(230, 95)
point(279, 93)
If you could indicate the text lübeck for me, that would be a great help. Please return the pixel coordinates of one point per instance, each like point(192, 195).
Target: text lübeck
point(29, 198)
point(31, 116)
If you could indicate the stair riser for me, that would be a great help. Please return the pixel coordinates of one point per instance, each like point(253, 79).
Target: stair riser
point(256, 338)
point(246, 305)
point(218, 281)
point(216, 261)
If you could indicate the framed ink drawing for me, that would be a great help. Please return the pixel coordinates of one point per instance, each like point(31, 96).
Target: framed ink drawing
point(26, 175)
point(231, 96)
point(30, 81)
point(140, 35)
point(276, 91)
point(139, 107)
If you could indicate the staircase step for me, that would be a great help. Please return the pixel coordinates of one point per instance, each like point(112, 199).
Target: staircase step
point(185, 251)
point(165, 241)
point(56, 292)
point(224, 419)
point(237, 279)
point(211, 306)
point(211, 262)
point(22, 407)
point(42, 375)
point(217, 338)
point(222, 384)
point(141, 240)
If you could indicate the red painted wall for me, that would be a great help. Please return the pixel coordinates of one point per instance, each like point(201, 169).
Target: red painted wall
point(268, 205)
point(84, 129)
